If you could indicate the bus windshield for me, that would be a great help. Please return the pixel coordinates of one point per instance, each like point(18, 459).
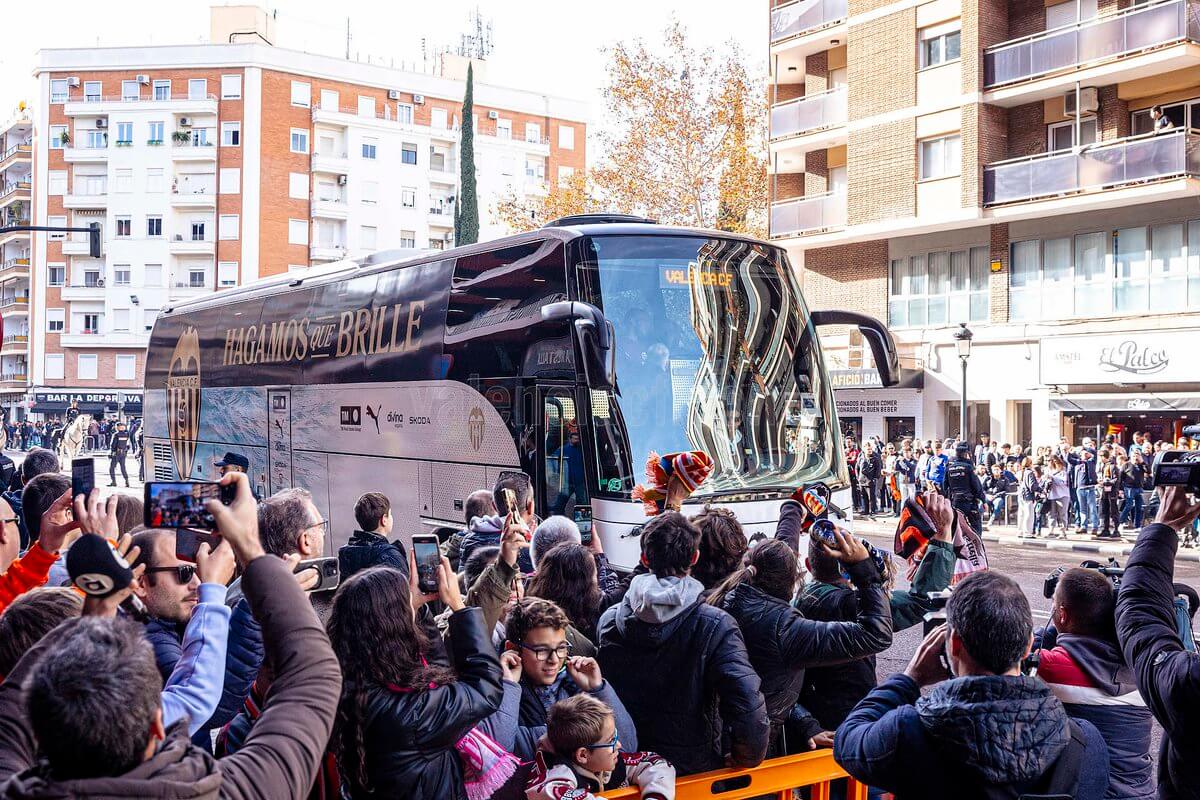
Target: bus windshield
point(711, 354)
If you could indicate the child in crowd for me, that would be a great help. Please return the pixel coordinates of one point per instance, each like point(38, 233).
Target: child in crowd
point(581, 756)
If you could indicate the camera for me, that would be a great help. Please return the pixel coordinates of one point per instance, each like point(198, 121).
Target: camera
point(937, 613)
point(1112, 570)
point(1179, 467)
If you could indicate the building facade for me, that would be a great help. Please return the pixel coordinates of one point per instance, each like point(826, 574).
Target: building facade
point(16, 201)
point(996, 163)
point(209, 166)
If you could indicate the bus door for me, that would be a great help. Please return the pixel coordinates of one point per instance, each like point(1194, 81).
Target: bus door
point(561, 477)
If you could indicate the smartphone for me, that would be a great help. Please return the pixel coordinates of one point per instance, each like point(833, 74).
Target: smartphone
point(188, 541)
point(583, 519)
point(327, 568)
point(510, 500)
point(428, 556)
point(824, 529)
point(180, 504)
point(83, 476)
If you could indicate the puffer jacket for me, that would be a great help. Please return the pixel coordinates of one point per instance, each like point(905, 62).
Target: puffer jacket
point(410, 736)
point(782, 643)
point(369, 549)
point(1005, 732)
point(681, 668)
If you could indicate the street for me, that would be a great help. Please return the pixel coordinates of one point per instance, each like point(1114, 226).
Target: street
point(102, 479)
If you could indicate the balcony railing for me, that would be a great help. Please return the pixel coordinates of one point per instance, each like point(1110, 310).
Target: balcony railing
point(22, 261)
point(805, 15)
point(811, 113)
point(15, 186)
point(808, 214)
point(14, 377)
point(1112, 165)
point(149, 97)
point(15, 338)
point(21, 300)
point(1094, 40)
point(26, 149)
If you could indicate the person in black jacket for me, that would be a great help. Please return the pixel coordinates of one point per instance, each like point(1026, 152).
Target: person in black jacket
point(679, 664)
point(962, 486)
point(400, 715)
point(1167, 675)
point(369, 545)
point(1134, 478)
point(870, 472)
point(781, 642)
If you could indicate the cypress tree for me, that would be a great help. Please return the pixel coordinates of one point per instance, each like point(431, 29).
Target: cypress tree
point(466, 211)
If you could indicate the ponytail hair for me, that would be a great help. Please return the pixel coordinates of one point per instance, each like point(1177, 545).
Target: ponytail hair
point(771, 567)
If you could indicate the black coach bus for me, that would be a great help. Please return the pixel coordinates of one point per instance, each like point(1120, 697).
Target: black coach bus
point(569, 353)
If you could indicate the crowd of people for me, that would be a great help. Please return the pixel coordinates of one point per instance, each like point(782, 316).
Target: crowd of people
point(27, 434)
point(536, 670)
point(1093, 488)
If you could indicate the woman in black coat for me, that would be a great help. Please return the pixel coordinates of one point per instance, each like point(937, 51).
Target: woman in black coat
point(401, 716)
point(781, 642)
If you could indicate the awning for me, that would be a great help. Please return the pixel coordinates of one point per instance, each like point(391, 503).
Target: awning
point(1127, 403)
point(869, 379)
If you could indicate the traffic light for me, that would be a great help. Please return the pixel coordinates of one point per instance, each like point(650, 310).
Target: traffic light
point(94, 240)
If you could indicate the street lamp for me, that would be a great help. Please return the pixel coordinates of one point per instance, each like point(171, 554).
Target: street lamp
point(962, 342)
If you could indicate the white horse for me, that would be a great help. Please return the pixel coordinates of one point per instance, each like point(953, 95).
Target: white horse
point(74, 437)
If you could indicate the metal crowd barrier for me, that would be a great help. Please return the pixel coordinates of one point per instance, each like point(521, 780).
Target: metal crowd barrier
point(776, 777)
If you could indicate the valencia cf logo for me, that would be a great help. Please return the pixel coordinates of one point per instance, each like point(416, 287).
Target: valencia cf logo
point(183, 401)
point(475, 427)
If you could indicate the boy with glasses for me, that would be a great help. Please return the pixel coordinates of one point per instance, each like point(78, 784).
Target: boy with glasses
point(582, 756)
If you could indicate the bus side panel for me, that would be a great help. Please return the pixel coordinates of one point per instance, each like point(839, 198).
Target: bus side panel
point(350, 477)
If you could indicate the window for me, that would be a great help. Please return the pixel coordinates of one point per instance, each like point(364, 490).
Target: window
point(57, 132)
point(96, 139)
point(227, 226)
point(1061, 277)
point(56, 222)
point(299, 140)
point(126, 369)
point(131, 91)
point(504, 129)
point(56, 182)
point(227, 273)
point(438, 118)
point(162, 90)
point(155, 182)
point(366, 106)
point(301, 94)
point(198, 231)
point(368, 148)
point(153, 275)
point(404, 113)
point(149, 315)
point(59, 90)
point(1069, 13)
point(1131, 258)
point(231, 87)
point(437, 244)
point(154, 227)
point(942, 288)
point(566, 137)
point(124, 180)
point(121, 275)
point(92, 92)
point(370, 192)
point(565, 174)
point(55, 366)
point(120, 319)
point(940, 44)
point(124, 227)
point(408, 197)
point(56, 274)
point(1061, 135)
point(368, 236)
point(197, 278)
point(197, 89)
point(408, 238)
point(297, 231)
point(56, 320)
point(533, 132)
point(508, 165)
point(1181, 115)
point(91, 278)
point(86, 370)
point(230, 180)
point(154, 132)
point(408, 153)
point(298, 185)
point(124, 133)
point(535, 168)
point(231, 134)
point(941, 157)
point(325, 146)
point(329, 100)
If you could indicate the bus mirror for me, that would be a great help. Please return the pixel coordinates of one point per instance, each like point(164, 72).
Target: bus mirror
point(877, 336)
point(595, 338)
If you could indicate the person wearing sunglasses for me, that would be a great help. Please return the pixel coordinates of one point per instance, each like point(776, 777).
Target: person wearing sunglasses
point(581, 756)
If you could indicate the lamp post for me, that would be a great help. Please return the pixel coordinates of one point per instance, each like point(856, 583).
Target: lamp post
point(962, 341)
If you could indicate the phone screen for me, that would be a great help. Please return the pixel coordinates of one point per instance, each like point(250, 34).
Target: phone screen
point(428, 558)
point(188, 541)
point(83, 476)
point(583, 519)
point(180, 504)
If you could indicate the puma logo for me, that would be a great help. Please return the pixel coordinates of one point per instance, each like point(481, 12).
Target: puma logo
point(374, 415)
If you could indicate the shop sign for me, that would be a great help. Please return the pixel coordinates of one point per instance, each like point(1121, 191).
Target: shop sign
point(854, 378)
point(893, 404)
point(87, 398)
point(1134, 357)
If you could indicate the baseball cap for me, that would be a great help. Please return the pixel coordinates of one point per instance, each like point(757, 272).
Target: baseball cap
point(232, 459)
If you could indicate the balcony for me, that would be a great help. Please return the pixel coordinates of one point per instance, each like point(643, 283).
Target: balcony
point(87, 289)
point(330, 207)
point(14, 191)
point(77, 245)
point(808, 215)
point(81, 153)
point(336, 163)
point(179, 103)
point(12, 380)
point(1138, 42)
point(95, 339)
point(14, 344)
point(185, 246)
point(183, 284)
point(193, 199)
point(794, 25)
point(1106, 167)
point(193, 150)
point(809, 123)
point(17, 153)
point(92, 200)
point(14, 305)
point(15, 268)
point(13, 236)
point(327, 252)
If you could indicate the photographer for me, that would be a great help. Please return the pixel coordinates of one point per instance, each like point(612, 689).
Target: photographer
point(1167, 675)
point(1135, 477)
point(1086, 671)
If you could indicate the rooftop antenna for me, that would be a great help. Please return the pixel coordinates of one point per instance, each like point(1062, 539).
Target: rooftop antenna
point(478, 42)
point(347, 38)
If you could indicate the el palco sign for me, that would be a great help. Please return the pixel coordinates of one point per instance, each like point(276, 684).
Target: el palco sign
point(1134, 357)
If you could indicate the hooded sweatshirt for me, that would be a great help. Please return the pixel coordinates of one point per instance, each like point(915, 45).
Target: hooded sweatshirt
point(486, 532)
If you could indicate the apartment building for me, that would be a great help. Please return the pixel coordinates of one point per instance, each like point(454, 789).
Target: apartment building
point(995, 163)
point(213, 165)
point(16, 193)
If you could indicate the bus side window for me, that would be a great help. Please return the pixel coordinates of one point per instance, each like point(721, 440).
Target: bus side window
point(565, 475)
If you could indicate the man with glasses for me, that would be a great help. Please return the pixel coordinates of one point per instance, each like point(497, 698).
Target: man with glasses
point(539, 670)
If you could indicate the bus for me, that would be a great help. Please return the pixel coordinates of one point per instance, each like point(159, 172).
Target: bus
point(568, 353)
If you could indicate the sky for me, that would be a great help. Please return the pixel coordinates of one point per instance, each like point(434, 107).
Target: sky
point(539, 45)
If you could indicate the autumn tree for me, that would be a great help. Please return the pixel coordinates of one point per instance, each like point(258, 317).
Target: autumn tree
point(526, 212)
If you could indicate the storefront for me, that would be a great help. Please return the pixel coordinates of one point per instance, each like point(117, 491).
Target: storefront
point(866, 409)
point(52, 403)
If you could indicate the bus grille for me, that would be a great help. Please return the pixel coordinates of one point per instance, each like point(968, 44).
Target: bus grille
point(164, 463)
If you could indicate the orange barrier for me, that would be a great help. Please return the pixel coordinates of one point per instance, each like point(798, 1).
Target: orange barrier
point(776, 777)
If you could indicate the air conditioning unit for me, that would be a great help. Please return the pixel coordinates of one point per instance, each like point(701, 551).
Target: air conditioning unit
point(419, 99)
point(1088, 98)
point(100, 283)
point(143, 79)
point(393, 94)
point(185, 122)
point(341, 180)
point(72, 81)
point(101, 124)
point(493, 115)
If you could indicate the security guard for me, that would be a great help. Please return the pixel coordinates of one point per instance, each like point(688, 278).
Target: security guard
point(963, 487)
point(118, 448)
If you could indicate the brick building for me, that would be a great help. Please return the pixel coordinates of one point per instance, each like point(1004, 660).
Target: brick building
point(995, 163)
point(16, 193)
point(213, 165)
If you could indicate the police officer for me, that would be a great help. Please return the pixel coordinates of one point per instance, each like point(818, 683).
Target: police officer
point(963, 487)
point(118, 448)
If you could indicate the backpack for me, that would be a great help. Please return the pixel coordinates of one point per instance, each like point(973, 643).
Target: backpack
point(1058, 783)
